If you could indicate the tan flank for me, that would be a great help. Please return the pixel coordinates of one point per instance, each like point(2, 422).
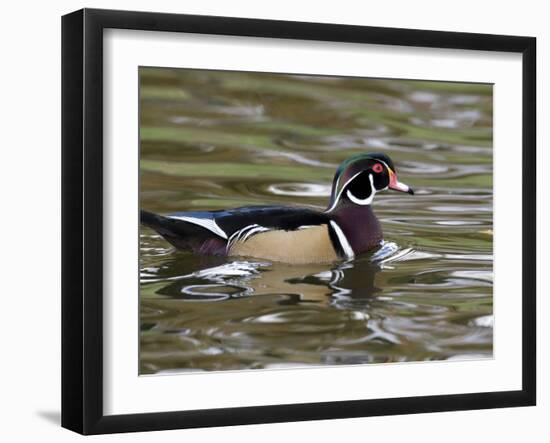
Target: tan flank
point(309, 245)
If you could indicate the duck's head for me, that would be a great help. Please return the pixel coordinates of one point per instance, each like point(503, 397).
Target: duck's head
point(361, 176)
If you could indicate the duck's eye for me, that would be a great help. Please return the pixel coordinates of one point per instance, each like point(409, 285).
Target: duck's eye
point(377, 168)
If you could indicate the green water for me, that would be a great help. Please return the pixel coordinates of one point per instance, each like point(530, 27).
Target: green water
point(214, 140)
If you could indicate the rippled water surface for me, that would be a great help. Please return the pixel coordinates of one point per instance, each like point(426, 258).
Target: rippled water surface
point(213, 140)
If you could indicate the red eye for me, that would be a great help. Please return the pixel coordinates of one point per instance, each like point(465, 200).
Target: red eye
point(377, 168)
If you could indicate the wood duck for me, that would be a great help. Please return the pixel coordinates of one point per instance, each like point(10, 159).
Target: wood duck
point(348, 226)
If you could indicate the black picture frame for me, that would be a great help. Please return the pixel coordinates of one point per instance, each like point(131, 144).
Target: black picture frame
point(82, 218)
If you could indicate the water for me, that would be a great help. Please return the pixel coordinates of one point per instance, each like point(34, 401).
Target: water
point(214, 140)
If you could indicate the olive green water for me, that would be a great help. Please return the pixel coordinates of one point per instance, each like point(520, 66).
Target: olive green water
point(214, 140)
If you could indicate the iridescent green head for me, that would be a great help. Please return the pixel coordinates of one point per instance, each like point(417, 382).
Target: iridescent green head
point(361, 176)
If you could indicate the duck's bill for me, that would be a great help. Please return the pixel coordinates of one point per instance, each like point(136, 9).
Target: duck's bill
point(396, 185)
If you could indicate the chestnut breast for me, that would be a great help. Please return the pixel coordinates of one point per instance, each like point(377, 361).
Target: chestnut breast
point(360, 226)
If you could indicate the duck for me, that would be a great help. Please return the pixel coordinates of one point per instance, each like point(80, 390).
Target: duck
point(347, 228)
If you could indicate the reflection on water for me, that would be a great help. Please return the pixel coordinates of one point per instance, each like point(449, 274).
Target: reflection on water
point(213, 140)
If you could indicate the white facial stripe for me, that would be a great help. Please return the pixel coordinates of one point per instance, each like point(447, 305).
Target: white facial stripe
point(348, 251)
point(365, 201)
point(337, 199)
point(385, 164)
point(206, 223)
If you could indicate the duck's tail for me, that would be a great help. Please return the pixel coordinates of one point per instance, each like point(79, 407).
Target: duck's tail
point(184, 235)
point(150, 219)
point(165, 226)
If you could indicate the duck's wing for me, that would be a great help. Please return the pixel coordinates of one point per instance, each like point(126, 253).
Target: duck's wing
point(211, 232)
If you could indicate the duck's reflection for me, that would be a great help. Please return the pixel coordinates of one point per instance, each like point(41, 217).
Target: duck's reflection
point(317, 283)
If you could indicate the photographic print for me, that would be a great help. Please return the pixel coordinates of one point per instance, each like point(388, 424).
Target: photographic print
point(250, 204)
point(292, 220)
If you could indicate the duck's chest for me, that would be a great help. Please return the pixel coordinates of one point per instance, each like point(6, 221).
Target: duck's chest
point(360, 227)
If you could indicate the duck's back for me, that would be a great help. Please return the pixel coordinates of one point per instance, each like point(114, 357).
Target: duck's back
point(273, 217)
